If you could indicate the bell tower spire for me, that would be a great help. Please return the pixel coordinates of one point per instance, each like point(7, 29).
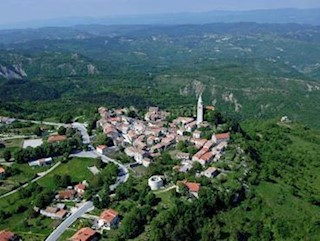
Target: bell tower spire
point(200, 110)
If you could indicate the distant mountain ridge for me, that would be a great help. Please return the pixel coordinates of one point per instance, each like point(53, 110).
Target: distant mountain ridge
point(281, 16)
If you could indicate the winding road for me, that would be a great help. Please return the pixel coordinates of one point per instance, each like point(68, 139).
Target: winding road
point(122, 178)
point(70, 220)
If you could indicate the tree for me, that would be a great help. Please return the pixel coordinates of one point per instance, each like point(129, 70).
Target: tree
point(100, 164)
point(102, 139)
point(70, 132)
point(133, 223)
point(37, 131)
point(62, 180)
point(62, 130)
point(7, 155)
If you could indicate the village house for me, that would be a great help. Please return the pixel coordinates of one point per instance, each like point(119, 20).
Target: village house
point(137, 154)
point(199, 143)
point(218, 138)
point(183, 120)
point(68, 194)
point(181, 131)
point(196, 134)
point(8, 236)
point(151, 140)
point(210, 172)
point(146, 162)
point(183, 156)
point(183, 168)
point(191, 126)
point(80, 188)
point(54, 212)
point(206, 158)
point(193, 188)
point(6, 120)
point(102, 149)
point(41, 162)
point(197, 156)
point(108, 219)
point(2, 173)
point(210, 107)
point(57, 138)
point(85, 234)
point(221, 146)
point(208, 145)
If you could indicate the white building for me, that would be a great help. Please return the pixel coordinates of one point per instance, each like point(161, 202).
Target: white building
point(200, 110)
point(155, 182)
point(41, 162)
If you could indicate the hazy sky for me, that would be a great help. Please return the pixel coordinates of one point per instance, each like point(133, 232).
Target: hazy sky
point(26, 10)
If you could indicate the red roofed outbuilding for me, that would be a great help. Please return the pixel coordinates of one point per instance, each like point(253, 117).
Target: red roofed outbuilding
point(218, 138)
point(85, 234)
point(109, 218)
point(8, 236)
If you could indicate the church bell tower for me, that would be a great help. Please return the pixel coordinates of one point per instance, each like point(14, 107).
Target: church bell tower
point(200, 110)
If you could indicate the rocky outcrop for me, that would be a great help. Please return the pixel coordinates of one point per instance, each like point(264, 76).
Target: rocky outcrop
point(12, 72)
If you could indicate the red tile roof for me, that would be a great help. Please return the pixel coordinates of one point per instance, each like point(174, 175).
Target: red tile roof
point(210, 107)
point(6, 235)
point(84, 234)
point(207, 156)
point(108, 215)
point(101, 147)
point(222, 136)
point(80, 186)
point(56, 138)
point(67, 194)
point(193, 187)
point(2, 170)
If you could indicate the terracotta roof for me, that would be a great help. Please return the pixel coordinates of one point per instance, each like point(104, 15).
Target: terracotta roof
point(84, 234)
point(2, 170)
point(108, 215)
point(80, 186)
point(210, 107)
point(67, 194)
point(61, 213)
point(55, 138)
point(6, 235)
point(101, 147)
point(223, 136)
point(207, 156)
point(51, 210)
point(193, 187)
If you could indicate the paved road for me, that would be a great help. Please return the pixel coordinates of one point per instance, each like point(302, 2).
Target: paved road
point(123, 171)
point(165, 190)
point(72, 218)
point(33, 180)
point(83, 130)
point(43, 122)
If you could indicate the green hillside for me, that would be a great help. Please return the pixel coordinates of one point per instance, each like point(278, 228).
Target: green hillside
point(248, 70)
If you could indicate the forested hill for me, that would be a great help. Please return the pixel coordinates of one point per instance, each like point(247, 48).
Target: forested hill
point(248, 70)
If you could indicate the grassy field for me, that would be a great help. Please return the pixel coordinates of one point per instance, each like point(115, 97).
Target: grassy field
point(26, 174)
point(11, 145)
point(37, 228)
point(77, 168)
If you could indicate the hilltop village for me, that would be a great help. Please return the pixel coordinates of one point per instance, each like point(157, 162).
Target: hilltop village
point(144, 140)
